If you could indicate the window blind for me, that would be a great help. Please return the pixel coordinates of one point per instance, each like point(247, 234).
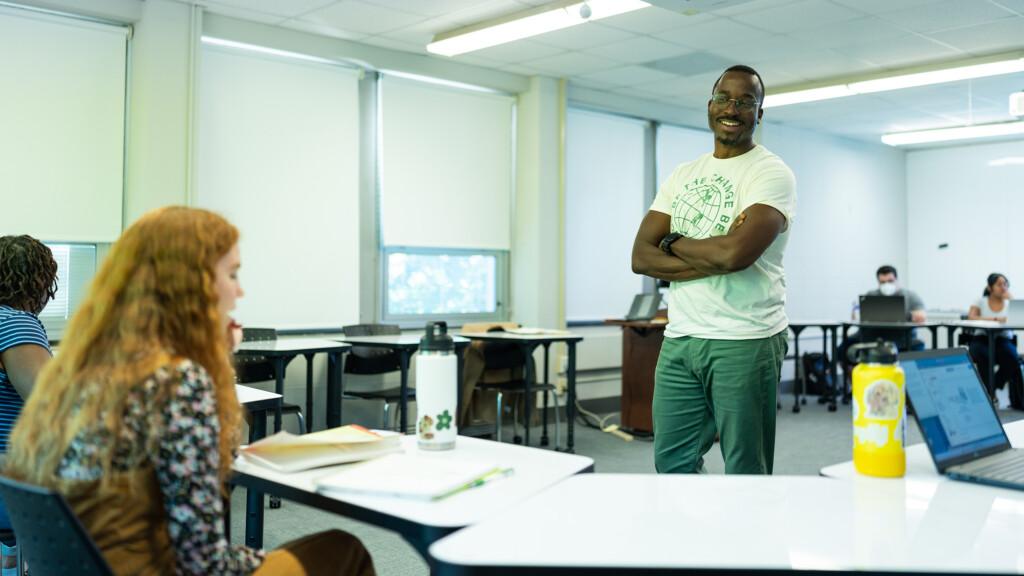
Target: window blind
point(278, 155)
point(446, 166)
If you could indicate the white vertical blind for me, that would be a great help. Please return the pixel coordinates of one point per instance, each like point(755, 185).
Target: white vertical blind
point(278, 156)
point(446, 166)
point(62, 87)
point(677, 145)
point(604, 204)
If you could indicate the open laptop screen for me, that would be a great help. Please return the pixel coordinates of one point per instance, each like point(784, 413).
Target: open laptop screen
point(951, 405)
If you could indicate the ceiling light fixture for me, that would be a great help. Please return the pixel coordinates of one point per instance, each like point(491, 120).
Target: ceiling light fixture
point(526, 24)
point(958, 133)
point(968, 72)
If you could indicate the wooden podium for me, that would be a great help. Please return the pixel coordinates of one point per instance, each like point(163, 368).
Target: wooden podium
point(641, 344)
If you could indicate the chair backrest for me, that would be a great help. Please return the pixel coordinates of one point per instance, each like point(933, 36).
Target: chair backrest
point(51, 539)
point(367, 360)
point(254, 368)
point(502, 355)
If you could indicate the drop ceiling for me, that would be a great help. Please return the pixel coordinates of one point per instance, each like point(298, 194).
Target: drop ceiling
point(666, 57)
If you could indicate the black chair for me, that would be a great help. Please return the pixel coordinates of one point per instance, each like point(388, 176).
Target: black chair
point(508, 356)
point(9, 535)
point(50, 538)
point(372, 360)
point(250, 369)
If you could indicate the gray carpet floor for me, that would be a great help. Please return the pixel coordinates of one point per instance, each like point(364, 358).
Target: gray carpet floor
point(805, 442)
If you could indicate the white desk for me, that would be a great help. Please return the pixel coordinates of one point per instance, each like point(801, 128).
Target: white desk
point(257, 402)
point(636, 524)
point(424, 522)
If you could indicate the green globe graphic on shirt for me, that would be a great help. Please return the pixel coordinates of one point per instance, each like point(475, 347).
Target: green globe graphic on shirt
point(695, 211)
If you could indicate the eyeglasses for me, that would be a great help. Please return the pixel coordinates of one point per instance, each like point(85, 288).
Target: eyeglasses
point(721, 102)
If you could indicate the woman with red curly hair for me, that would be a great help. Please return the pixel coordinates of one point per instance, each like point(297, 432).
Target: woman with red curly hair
point(143, 390)
point(28, 280)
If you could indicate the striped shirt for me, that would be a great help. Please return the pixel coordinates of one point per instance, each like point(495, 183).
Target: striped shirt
point(16, 328)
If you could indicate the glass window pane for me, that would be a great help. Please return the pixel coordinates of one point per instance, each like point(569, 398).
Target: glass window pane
point(437, 283)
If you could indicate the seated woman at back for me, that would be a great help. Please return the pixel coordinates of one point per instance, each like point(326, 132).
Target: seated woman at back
point(149, 423)
point(994, 305)
point(28, 281)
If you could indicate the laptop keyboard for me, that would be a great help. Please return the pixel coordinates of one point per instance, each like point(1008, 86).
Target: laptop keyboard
point(1007, 468)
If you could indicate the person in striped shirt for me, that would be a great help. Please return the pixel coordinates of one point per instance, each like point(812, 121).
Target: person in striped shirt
point(28, 280)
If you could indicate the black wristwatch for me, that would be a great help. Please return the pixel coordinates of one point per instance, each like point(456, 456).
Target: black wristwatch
point(666, 242)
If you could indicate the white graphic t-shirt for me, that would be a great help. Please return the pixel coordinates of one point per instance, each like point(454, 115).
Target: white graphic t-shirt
point(703, 198)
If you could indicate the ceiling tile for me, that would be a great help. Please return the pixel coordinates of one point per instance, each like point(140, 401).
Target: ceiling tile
point(947, 15)
point(323, 30)
point(356, 16)
point(481, 11)
point(627, 76)
point(518, 51)
point(999, 36)
point(275, 7)
point(746, 6)
point(570, 64)
point(813, 65)
point(712, 34)
point(422, 32)
point(691, 64)
point(424, 8)
point(583, 82)
point(653, 19)
point(241, 14)
point(583, 36)
point(846, 33)
point(797, 15)
point(883, 6)
point(899, 52)
point(392, 44)
point(638, 50)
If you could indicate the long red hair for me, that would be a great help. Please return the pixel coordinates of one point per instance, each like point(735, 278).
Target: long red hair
point(152, 304)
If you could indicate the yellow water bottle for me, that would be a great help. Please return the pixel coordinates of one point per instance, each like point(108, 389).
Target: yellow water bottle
point(879, 410)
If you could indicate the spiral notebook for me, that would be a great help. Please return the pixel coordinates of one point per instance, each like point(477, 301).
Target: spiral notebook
point(957, 419)
point(407, 476)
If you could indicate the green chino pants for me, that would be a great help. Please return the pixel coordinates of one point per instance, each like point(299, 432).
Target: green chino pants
point(729, 386)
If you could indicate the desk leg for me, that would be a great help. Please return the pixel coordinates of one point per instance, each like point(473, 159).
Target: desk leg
point(527, 349)
point(403, 356)
point(798, 381)
point(458, 388)
point(935, 336)
point(991, 387)
point(570, 408)
point(334, 389)
point(835, 392)
point(544, 435)
point(279, 364)
point(846, 333)
point(309, 392)
point(254, 499)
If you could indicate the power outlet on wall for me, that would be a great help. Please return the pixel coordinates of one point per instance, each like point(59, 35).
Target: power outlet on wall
point(561, 385)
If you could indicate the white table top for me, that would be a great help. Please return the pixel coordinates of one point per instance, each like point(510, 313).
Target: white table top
point(249, 395)
point(535, 470)
point(285, 346)
point(631, 523)
point(394, 340)
point(541, 335)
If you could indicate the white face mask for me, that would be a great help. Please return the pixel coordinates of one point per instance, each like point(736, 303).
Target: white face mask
point(888, 289)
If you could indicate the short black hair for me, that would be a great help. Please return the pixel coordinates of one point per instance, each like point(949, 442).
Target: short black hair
point(745, 69)
point(887, 270)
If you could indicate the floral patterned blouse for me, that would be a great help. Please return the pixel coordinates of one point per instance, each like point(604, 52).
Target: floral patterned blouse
point(180, 439)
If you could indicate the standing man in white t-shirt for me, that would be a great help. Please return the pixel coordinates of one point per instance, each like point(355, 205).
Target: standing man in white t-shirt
point(717, 231)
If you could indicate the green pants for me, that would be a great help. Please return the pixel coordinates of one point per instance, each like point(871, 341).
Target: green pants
point(730, 386)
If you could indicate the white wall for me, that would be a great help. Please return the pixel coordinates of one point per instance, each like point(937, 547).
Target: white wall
point(850, 219)
point(976, 209)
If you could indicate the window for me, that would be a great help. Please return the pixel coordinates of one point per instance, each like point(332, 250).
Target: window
point(457, 286)
point(76, 266)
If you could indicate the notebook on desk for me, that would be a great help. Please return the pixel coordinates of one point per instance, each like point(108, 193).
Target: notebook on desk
point(874, 308)
point(957, 420)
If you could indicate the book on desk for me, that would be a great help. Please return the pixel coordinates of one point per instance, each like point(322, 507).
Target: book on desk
point(286, 452)
point(407, 476)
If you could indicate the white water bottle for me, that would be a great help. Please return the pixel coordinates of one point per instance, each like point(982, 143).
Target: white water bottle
point(436, 389)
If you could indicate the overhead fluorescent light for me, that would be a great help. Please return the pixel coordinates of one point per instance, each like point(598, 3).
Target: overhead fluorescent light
point(1008, 161)
point(968, 72)
point(958, 133)
point(526, 24)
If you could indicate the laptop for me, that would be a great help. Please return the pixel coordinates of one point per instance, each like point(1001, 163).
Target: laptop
point(883, 308)
point(1015, 313)
point(645, 307)
point(957, 420)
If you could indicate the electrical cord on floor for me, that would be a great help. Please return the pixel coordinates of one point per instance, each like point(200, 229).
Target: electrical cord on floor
point(612, 429)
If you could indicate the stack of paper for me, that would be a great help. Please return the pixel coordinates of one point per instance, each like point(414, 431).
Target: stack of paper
point(288, 453)
point(418, 477)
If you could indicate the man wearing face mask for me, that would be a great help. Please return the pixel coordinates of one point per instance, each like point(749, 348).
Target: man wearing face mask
point(888, 285)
